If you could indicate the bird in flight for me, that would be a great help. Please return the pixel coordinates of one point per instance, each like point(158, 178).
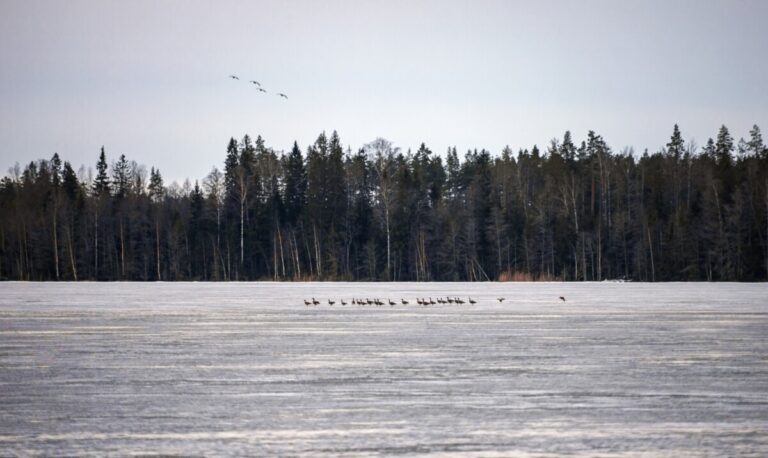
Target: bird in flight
point(234, 77)
point(562, 298)
point(255, 82)
point(282, 95)
point(261, 90)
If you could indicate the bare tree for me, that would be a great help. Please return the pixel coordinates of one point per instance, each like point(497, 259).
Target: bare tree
point(382, 154)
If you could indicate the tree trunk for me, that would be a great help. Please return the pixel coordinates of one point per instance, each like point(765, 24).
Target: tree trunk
point(55, 242)
point(122, 250)
point(386, 221)
point(242, 232)
point(282, 254)
point(71, 254)
point(650, 251)
point(318, 255)
point(96, 247)
point(157, 248)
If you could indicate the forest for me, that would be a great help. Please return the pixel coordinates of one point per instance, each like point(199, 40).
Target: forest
point(570, 211)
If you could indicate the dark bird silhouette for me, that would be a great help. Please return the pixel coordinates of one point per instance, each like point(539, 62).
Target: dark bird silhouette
point(315, 301)
point(500, 299)
point(403, 301)
point(431, 302)
point(390, 301)
point(343, 303)
point(330, 302)
point(255, 82)
point(234, 77)
point(307, 303)
point(261, 90)
point(282, 95)
point(562, 298)
point(471, 301)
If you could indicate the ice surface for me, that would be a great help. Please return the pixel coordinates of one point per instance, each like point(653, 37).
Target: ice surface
point(245, 368)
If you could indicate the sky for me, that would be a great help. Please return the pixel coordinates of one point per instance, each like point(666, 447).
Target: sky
point(149, 79)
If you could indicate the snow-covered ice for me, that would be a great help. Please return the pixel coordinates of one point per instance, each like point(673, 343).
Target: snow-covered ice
point(246, 368)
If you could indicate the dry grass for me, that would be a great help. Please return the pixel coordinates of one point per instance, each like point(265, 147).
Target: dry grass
point(509, 275)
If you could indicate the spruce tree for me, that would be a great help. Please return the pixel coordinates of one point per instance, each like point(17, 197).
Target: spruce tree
point(101, 185)
point(121, 177)
point(155, 188)
point(295, 184)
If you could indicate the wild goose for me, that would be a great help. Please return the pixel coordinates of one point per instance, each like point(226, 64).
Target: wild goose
point(343, 303)
point(390, 302)
point(562, 298)
point(330, 302)
point(500, 299)
point(472, 301)
point(431, 302)
point(315, 301)
point(403, 301)
point(307, 303)
point(450, 300)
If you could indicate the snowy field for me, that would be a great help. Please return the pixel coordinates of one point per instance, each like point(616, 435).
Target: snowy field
point(247, 369)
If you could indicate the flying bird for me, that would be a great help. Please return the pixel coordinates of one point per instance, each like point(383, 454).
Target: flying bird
point(500, 299)
point(234, 77)
point(261, 90)
point(255, 82)
point(562, 298)
point(282, 95)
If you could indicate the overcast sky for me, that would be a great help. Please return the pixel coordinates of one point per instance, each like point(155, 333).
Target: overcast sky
point(149, 78)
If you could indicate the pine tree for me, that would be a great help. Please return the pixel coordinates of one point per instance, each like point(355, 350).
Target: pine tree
point(567, 148)
point(676, 146)
point(121, 177)
point(101, 185)
point(755, 144)
point(724, 147)
point(295, 185)
point(156, 188)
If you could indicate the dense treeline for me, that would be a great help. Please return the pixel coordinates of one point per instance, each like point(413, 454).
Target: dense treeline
point(572, 212)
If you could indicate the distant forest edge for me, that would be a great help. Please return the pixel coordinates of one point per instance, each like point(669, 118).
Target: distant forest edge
point(569, 212)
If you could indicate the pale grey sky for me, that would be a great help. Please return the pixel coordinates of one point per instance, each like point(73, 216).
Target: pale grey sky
point(149, 78)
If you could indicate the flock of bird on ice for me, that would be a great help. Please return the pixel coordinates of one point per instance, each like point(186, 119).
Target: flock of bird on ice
point(421, 301)
point(258, 86)
point(377, 301)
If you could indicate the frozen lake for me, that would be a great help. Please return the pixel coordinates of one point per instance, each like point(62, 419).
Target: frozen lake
point(245, 368)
